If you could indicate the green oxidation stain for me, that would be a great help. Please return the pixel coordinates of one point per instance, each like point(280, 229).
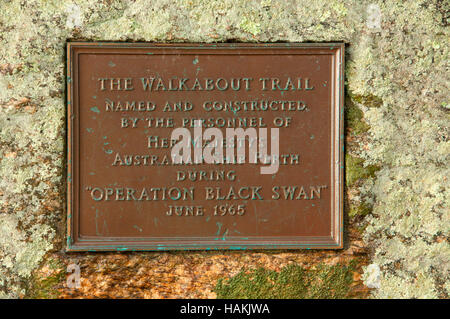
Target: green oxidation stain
point(111, 64)
point(90, 130)
point(95, 109)
point(312, 136)
point(121, 248)
point(220, 227)
point(96, 222)
point(195, 61)
point(138, 228)
point(91, 173)
point(149, 53)
point(106, 143)
point(225, 235)
point(94, 96)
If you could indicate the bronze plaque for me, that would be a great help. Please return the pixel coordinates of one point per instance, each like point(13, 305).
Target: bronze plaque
point(204, 146)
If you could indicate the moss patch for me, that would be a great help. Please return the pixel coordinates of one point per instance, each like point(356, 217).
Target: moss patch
point(361, 210)
point(355, 169)
point(292, 282)
point(368, 100)
point(44, 283)
point(354, 118)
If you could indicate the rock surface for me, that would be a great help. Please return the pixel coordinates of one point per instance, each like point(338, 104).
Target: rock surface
point(397, 109)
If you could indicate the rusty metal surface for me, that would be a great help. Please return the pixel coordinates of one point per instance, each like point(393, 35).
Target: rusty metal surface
point(118, 202)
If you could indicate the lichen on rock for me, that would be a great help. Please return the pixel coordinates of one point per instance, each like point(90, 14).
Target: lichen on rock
point(396, 77)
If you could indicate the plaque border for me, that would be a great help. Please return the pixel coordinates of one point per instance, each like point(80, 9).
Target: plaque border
point(335, 241)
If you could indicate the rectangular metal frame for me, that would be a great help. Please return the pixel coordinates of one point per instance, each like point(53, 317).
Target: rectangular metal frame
point(76, 244)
